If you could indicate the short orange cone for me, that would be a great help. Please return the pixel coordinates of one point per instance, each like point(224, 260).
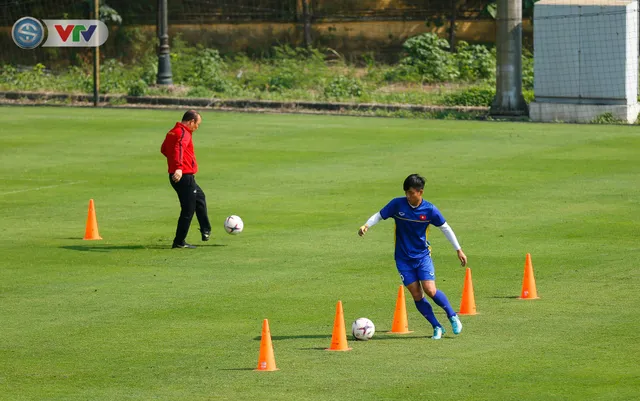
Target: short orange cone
point(468, 304)
point(266, 360)
point(91, 231)
point(339, 335)
point(400, 323)
point(529, 282)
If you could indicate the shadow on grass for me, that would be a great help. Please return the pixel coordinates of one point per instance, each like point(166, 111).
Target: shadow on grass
point(107, 248)
point(277, 338)
point(99, 248)
point(506, 297)
point(385, 336)
point(238, 369)
point(377, 337)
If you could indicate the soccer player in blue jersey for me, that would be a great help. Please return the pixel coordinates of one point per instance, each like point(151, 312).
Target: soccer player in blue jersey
point(413, 215)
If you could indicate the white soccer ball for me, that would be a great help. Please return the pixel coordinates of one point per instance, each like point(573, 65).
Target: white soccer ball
point(233, 225)
point(362, 329)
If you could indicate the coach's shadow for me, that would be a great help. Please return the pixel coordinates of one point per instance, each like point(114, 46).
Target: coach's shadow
point(107, 248)
point(103, 248)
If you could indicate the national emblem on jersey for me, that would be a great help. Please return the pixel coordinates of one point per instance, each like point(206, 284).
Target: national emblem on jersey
point(411, 226)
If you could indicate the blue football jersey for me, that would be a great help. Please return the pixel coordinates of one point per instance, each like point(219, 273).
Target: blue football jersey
point(411, 226)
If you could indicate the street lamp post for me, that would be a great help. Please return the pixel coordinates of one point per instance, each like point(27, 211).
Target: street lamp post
point(164, 58)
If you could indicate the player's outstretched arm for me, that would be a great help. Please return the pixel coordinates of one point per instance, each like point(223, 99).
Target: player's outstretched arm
point(373, 220)
point(363, 230)
point(462, 257)
point(451, 236)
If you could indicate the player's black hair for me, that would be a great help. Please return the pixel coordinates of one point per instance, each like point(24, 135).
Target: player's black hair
point(190, 115)
point(414, 181)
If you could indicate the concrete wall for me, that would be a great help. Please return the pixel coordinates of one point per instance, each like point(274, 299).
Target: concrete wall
point(345, 37)
point(352, 39)
point(585, 60)
point(586, 51)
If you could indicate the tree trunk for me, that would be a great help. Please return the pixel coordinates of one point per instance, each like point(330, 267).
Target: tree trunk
point(452, 26)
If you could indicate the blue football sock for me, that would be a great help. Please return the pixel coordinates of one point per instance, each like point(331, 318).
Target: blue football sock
point(427, 311)
point(441, 300)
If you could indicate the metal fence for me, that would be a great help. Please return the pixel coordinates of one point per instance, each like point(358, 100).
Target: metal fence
point(253, 26)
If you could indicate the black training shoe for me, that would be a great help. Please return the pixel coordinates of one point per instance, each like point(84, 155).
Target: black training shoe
point(206, 235)
point(184, 245)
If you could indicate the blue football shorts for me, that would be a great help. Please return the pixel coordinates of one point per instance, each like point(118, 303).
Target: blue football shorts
point(416, 269)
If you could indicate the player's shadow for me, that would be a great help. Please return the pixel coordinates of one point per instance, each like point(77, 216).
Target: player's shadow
point(327, 338)
point(108, 248)
point(378, 337)
point(278, 338)
point(386, 336)
point(239, 369)
point(102, 248)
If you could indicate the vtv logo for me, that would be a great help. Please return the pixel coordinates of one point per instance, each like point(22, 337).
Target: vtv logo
point(64, 32)
point(75, 33)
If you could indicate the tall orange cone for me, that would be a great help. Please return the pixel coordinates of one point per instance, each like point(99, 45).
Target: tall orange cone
point(468, 304)
point(339, 335)
point(266, 360)
point(400, 323)
point(91, 231)
point(529, 282)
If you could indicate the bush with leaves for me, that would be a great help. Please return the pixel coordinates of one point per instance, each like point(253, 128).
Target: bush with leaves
point(343, 87)
point(207, 71)
point(475, 62)
point(198, 66)
point(528, 95)
point(403, 73)
point(285, 69)
point(199, 91)
point(607, 118)
point(115, 77)
point(474, 96)
point(429, 58)
point(527, 69)
point(8, 76)
point(137, 88)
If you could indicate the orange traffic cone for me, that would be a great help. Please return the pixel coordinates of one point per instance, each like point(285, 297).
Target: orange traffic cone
point(529, 282)
point(339, 335)
point(468, 304)
point(400, 323)
point(91, 231)
point(266, 360)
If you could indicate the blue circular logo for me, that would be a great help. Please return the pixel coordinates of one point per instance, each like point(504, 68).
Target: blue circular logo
point(27, 33)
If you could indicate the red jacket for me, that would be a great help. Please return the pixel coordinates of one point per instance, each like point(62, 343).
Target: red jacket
point(178, 149)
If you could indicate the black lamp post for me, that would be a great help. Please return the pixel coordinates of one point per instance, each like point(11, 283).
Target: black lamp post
point(164, 58)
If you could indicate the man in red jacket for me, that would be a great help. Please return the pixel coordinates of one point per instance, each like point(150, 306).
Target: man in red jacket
point(181, 160)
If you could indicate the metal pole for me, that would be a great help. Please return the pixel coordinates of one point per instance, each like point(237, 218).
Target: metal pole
point(509, 99)
point(96, 59)
point(164, 58)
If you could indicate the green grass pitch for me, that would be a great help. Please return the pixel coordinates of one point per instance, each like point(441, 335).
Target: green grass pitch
point(127, 318)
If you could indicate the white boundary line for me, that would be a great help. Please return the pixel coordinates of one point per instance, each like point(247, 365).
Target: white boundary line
point(39, 188)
